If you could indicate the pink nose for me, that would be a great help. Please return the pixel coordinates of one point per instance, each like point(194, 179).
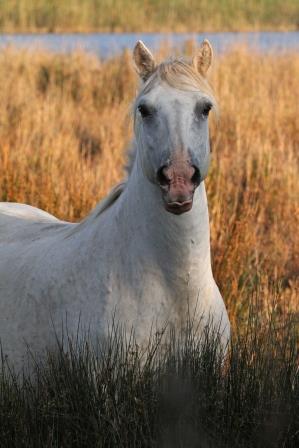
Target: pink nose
point(178, 181)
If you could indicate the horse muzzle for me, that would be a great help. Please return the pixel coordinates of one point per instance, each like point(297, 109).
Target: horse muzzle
point(178, 183)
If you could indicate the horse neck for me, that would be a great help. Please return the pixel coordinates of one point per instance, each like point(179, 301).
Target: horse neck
point(177, 243)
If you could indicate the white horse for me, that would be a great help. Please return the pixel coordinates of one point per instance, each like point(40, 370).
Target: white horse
point(144, 251)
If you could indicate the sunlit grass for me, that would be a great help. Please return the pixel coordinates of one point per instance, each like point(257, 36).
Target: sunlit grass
point(64, 129)
point(149, 15)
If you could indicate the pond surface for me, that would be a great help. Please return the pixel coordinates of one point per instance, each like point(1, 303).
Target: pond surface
point(109, 44)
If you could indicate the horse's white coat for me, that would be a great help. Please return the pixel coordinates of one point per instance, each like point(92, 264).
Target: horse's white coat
point(129, 256)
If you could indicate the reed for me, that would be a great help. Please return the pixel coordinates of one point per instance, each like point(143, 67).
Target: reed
point(64, 129)
point(150, 15)
point(65, 126)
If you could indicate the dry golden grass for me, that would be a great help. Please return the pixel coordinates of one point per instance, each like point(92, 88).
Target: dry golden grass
point(64, 126)
point(148, 15)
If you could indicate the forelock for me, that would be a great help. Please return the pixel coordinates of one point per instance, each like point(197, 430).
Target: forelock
point(179, 74)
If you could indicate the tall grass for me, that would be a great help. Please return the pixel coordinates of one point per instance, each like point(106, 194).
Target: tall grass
point(149, 15)
point(64, 127)
point(180, 392)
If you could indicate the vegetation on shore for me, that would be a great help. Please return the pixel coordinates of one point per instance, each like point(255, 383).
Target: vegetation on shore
point(149, 15)
point(64, 129)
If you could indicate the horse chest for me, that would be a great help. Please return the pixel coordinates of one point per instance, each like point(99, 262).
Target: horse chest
point(148, 288)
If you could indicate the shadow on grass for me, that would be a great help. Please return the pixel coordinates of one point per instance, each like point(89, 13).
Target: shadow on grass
point(180, 391)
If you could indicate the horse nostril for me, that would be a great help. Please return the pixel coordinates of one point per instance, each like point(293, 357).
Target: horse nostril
point(196, 176)
point(162, 178)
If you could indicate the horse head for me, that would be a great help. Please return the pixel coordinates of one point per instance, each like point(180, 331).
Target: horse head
point(171, 123)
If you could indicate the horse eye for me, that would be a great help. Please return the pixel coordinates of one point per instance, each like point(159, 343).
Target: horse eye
point(202, 110)
point(144, 110)
point(206, 109)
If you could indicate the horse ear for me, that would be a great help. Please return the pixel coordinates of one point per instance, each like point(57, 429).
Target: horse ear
point(144, 60)
point(203, 59)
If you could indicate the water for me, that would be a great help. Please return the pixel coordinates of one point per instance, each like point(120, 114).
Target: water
point(109, 44)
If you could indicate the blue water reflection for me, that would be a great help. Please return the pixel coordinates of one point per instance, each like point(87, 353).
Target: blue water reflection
point(105, 44)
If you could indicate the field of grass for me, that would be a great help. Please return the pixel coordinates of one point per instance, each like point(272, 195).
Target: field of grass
point(64, 127)
point(148, 15)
